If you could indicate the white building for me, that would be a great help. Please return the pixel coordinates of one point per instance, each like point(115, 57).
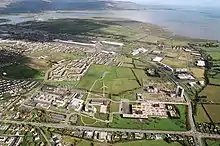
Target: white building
point(179, 91)
point(200, 63)
point(139, 50)
point(112, 43)
point(77, 104)
point(157, 59)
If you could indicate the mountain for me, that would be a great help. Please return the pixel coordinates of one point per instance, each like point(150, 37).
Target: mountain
point(20, 6)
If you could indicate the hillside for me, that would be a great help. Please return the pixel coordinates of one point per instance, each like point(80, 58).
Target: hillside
point(20, 6)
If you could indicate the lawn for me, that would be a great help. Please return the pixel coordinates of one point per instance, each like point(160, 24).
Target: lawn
point(212, 93)
point(114, 107)
point(214, 81)
point(175, 64)
point(127, 65)
point(147, 143)
point(198, 72)
point(19, 71)
point(68, 140)
point(212, 142)
point(141, 75)
point(152, 123)
point(211, 109)
point(101, 116)
point(213, 52)
point(201, 116)
point(115, 79)
point(87, 120)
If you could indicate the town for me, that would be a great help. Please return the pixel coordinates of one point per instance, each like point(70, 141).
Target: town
point(55, 90)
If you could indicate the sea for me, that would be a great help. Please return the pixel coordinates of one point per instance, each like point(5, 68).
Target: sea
point(194, 23)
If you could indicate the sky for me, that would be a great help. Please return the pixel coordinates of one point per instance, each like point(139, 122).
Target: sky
point(181, 2)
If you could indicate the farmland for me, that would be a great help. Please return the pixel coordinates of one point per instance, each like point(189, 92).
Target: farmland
point(211, 92)
point(213, 52)
point(211, 110)
point(201, 116)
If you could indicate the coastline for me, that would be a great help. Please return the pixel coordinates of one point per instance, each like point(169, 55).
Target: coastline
point(91, 14)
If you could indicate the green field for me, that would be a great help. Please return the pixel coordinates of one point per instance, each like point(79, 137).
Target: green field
point(211, 92)
point(113, 80)
point(213, 52)
point(214, 81)
point(211, 110)
point(114, 107)
point(201, 116)
point(141, 75)
point(212, 142)
point(21, 72)
point(175, 64)
point(81, 142)
point(153, 123)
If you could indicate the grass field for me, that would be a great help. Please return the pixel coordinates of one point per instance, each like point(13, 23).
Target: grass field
point(87, 120)
point(115, 79)
point(141, 75)
point(81, 142)
point(213, 52)
point(152, 123)
point(201, 116)
point(175, 64)
point(21, 72)
point(147, 143)
point(212, 142)
point(198, 72)
point(114, 107)
point(68, 140)
point(211, 92)
point(101, 116)
point(214, 81)
point(211, 109)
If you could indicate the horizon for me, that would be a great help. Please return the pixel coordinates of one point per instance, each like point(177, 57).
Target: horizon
point(194, 3)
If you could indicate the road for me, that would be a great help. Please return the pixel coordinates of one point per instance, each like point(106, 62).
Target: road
point(42, 133)
point(53, 125)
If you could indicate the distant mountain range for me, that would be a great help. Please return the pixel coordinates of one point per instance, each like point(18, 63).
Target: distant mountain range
point(19, 6)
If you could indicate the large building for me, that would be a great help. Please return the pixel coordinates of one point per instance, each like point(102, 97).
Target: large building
point(144, 110)
point(179, 91)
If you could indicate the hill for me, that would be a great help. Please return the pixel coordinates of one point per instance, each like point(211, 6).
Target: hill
point(20, 6)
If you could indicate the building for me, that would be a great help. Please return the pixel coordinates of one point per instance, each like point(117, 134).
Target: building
point(185, 76)
point(157, 59)
point(200, 63)
point(76, 104)
point(144, 110)
point(179, 91)
point(139, 50)
point(112, 43)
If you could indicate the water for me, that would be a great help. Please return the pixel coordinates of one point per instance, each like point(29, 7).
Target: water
point(191, 23)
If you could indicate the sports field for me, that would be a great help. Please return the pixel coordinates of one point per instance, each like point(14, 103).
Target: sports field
point(108, 79)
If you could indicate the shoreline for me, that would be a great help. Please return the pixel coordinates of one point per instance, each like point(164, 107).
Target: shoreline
point(103, 14)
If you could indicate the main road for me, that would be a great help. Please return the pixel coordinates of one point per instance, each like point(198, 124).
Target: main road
point(72, 127)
